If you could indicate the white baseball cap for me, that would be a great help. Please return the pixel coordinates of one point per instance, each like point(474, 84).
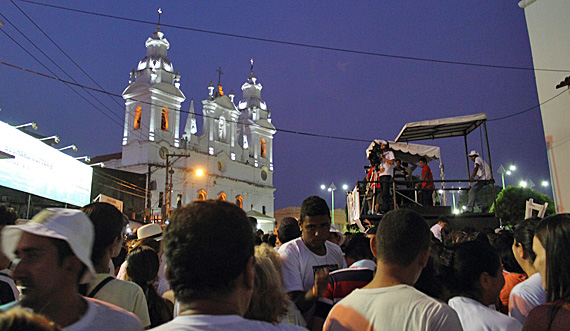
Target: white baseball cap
point(473, 153)
point(153, 231)
point(69, 225)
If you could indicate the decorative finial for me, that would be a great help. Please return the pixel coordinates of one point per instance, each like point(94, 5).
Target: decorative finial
point(159, 13)
point(220, 73)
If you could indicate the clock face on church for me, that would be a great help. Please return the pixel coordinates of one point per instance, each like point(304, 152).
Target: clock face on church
point(263, 174)
point(162, 152)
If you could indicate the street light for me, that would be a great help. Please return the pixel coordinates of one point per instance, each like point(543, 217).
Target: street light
point(544, 183)
point(87, 159)
point(32, 124)
point(523, 183)
point(504, 171)
point(68, 147)
point(55, 139)
point(331, 189)
point(98, 164)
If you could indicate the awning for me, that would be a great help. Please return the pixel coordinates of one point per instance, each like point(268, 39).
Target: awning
point(441, 128)
point(410, 153)
point(259, 216)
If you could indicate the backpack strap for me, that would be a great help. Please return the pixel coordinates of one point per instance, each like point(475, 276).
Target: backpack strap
point(100, 286)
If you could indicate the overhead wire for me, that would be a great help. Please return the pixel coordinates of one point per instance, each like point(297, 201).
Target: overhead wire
point(121, 182)
point(526, 110)
point(310, 134)
point(182, 111)
point(298, 44)
point(65, 72)
point(48, 69)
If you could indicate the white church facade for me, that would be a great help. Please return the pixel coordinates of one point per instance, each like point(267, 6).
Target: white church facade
point(234, 149)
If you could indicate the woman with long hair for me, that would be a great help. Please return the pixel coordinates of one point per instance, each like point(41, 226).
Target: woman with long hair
point(268, 302)
point(474, 275)
point(551, 244)
point(142, 268)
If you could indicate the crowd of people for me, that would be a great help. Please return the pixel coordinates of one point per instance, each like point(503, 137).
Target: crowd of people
point(211, 269)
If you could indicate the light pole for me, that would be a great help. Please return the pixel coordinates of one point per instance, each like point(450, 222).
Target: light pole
point(331, 189)
point(504, 171)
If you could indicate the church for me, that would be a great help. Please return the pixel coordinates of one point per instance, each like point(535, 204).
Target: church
point(231, 159)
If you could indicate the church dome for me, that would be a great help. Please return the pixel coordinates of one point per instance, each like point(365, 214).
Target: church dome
point(156, 50)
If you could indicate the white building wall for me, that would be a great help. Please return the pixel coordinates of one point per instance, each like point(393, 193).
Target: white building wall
point(549, 34)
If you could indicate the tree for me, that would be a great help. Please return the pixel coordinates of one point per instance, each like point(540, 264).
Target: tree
point(511, 204)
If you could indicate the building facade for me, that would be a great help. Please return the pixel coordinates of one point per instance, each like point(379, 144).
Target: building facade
point(547, 23)
point(234, 149)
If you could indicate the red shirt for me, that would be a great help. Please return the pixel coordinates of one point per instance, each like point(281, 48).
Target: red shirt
point(373, 177)
point(427, 175)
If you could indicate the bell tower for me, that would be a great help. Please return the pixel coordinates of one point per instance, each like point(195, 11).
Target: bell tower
point(255, 131)
point(153, 97)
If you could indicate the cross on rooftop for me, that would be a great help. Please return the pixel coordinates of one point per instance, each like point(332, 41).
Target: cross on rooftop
point(220, 73)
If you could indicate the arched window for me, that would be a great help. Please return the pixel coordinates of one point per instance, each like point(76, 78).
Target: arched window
point(263, 148)
point(202, 195)
point(164, 120)
point(222, 196)
point(138, 114)
point(239, 201)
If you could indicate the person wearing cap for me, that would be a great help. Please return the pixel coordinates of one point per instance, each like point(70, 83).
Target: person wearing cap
point(109, 227)
point(149, 235)
point(480, 175)
point(52, 256)
point(336, 236)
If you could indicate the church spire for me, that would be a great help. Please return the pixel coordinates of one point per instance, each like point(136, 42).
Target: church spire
point(191, 128)
point(158, 24)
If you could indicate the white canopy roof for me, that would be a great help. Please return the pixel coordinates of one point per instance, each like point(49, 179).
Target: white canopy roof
point(441, 128)
point(410, 153)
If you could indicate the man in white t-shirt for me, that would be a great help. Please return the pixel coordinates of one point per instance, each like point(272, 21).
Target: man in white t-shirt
point(52, 254)
point(307, 261)
point(479, 178)
point(436, 229)
point(208, 247)
point(389, 301)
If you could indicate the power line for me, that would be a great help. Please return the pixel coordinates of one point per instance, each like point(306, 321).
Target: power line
point(310, 134)
point(526, 110)
point(290, 43)
point(182, 111)
point(48, 69)
point(121, 182)
point(61, 50)
point(60, 68)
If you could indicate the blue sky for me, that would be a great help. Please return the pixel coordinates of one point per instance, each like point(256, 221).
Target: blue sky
point(308, 89)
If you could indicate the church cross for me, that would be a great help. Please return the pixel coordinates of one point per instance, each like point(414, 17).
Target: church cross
point(220, 73)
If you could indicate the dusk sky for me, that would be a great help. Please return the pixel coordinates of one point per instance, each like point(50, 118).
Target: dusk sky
point(356, 94)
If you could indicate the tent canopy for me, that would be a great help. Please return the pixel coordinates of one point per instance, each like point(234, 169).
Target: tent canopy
point(441, 128)
point(410, 153)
